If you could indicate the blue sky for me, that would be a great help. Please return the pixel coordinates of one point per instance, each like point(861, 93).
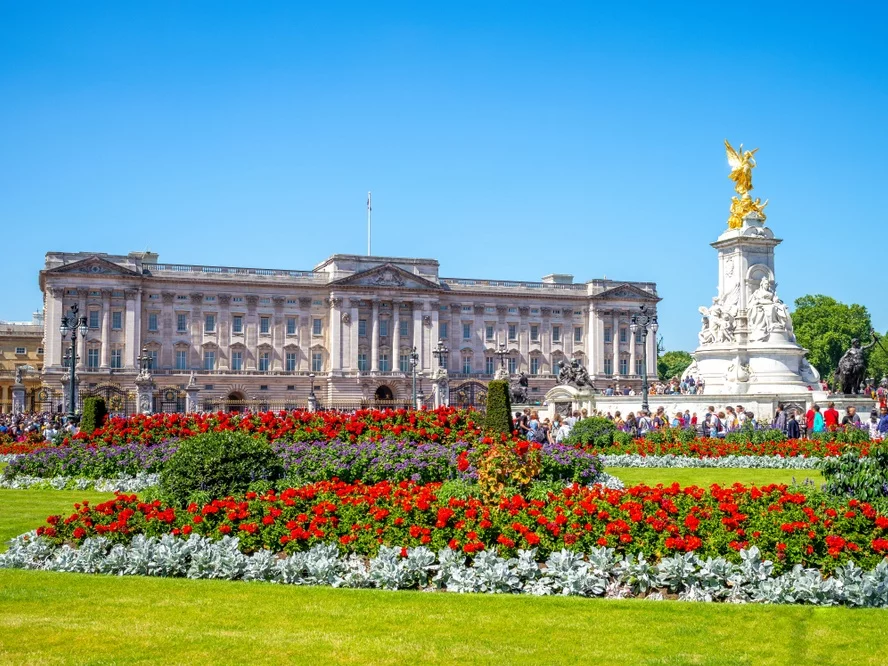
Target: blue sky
point(507, 140)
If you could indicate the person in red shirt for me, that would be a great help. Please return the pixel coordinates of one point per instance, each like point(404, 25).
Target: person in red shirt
point(831, 416)
point(809, 420)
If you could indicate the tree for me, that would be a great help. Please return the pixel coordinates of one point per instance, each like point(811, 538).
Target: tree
point(825, 327)
point(499, 407)
point(673, 363)
point(878, 360)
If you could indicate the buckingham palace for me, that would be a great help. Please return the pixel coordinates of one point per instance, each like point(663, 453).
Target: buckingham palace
point(344, 331)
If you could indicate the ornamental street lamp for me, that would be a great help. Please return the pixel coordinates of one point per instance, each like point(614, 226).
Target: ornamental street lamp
point(441, 353)
point(144, 361)
point(502, 352)
point(414, 361)
point(73, 324)
point(644, 322)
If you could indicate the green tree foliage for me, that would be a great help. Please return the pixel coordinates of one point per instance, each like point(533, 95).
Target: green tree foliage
point(673, 363)
point(878, 360)
point(499, 407)
point(825, 327)
point(94, 413)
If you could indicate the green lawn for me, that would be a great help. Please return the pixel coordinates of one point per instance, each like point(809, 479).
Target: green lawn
point(708, 475)
point(50, 618)
point(23, 510)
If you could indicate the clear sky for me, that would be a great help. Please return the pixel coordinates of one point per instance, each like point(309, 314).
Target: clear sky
point(508, 140)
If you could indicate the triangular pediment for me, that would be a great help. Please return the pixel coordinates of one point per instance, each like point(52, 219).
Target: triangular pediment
point(386, 276)
point(94, 265)
point(626, 291)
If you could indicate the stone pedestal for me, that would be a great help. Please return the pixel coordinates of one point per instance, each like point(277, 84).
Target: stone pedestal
point(565, 399)
point(18, 398)
point(501, 374)
point(441, 388)
point(312, 402)
point(145, 393)
point(66, 391)
point(747, 344)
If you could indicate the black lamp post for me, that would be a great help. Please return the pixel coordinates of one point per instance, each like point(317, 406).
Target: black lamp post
point(502, 352)
point(441, 352)
point(642, 320)
point(73, 324)
point(414, 361)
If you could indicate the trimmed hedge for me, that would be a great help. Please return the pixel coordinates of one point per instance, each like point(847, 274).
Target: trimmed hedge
point(94, 413)
point(499, 407)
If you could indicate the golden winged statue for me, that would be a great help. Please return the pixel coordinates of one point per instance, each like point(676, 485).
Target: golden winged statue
point(742, 164)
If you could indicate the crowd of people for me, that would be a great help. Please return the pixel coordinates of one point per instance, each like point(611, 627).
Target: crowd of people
point(31, 426)
point(687, 386)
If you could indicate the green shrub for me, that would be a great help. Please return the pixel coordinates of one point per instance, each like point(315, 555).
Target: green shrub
point(596, 431)
point(94, 413)
point(865, 478)
point(755, 435)
point(218, 464)
point(849, 434)
point(499, 407)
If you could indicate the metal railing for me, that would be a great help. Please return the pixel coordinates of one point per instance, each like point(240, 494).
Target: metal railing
point(309, 276)
point(512, 284)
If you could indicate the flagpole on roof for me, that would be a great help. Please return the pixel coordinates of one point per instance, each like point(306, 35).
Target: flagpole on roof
point(369, 213)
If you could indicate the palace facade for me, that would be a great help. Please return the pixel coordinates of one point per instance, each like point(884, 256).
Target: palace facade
point(345, 329)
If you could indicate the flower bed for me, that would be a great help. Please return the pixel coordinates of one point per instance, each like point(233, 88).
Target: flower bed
point(723, 462)
point(788, 527)
point(17, 448)
point(709, 447)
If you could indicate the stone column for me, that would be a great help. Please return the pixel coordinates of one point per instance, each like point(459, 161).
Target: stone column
point(523, 339)
point(599, 353)
point(81, 339)
point(196, 362)
point(168, 325)
point(133, 321)
point(191, 396)
point(632, 353)
point(417, 329)
point(432, 362)
point(374, 337)
point(53, 304)
point(616, 338)
point(223, 326)
point(395, 336)
point(18, 398)
point(353, 335)
point(278, 333)
point(303, 360)
point(335, 334)
point(106, 330)
point(251, 332)
point(592, 335)
point(652, 355)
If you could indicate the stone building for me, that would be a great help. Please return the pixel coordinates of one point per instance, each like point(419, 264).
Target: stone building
point(257, 334)
point(21, 347)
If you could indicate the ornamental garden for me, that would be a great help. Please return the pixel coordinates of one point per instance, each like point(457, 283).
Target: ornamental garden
point(454, 500)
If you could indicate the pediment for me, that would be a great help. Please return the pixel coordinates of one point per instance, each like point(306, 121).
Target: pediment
point(626, 292)
point(386, 276)
point(94, 265)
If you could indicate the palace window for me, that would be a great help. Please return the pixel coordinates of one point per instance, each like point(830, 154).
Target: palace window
point(624, 366)
point(362, 362)
point(210, 324)
point(362, 328)
point(383, 328)
point(290, 362)
point(152, 322)
point(316, 326)
point(92, 359)
point(403, 325)
point(489, 365)
point(624, 334)
point(237, 324)
point(534, 365)
point(317, 361)
point(117, 320)
point(264, 325)
point(534, 333)
point(556, 334)
point(467, 364)
point(638, 339)
point(467, 331)
point(117, 358)
point(93, 318)
point(20, 351)
point(488, 332)
point(608, 366)
point(404, 363)
point(209, 360)
point(181, 322)
point(578, 333)
point(264, 361)
point(608, 334)
point(442, 330)
point(384, 363)
point(237, 361)
point(512, 365)
point(513, 332)
point(152, 359)
point(181, 359)
point(466, 308)
point(291, 325)
point(639, 366)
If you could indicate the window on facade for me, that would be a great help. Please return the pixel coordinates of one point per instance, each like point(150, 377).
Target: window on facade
point(317, 362)
point(209, 360)
point(116, 358)
point(608, 334)
point(488, 332)
point(362, 362)
point(316, 326)
point(624, 366)
point(181, 359)
point(117, 320)
point(578, 333)
point(513, 332)
point(624, 334)
point(291, 325)
point(512, 365)
point(152, 321)
point(404, 363)
point(467, 364)
point(181, 323)
point(20, 350)
point(534, 333)
point(608, 366)
point(237, 360)
point(362, 327)
point(210, 324)
point(290, 362)
point(92, 359)
point(442, 330)
point(467, 331)
point(638, 339)
point(639, 366)
point(39, 352)
point(489, 365)
point(403, 326)
point(265, 325)
point(534, 365)
point(264, 361)
point(466, 308)
point(556, 334)
point(237, 324)
point(383, 328)
point(93, 318)
point(152, 359)
point(384, 365)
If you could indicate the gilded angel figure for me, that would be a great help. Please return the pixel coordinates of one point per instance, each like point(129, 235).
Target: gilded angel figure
point(742, 164)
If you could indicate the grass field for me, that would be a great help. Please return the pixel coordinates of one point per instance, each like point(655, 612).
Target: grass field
point(48, 618)
point(705, 476)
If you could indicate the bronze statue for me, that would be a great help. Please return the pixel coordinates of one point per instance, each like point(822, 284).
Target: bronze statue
point(574, 374)
point(852, 366)
point(519, 391)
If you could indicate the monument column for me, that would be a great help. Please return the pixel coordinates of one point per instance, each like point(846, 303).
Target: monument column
point(106, 330)
point(374, 336)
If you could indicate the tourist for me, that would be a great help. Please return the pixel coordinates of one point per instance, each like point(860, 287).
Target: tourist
point(572, 419)
point(676, 420)
point(563, 430)
point(883, 422)
point(873, 426)
point(694, 419)
point(741, 416)
point(819, 424)
point(631, 424)
point(584, 413)
point(717, 425)
point(686, 419)
point(618, 420)
point(793, 431)
point(750, 419)
point(851, 416)
point(609, 390)
point(831, 416)
point(541, 436)
point(779, 422)
point(644, 424)
point(524, 423)
point(809, 418)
